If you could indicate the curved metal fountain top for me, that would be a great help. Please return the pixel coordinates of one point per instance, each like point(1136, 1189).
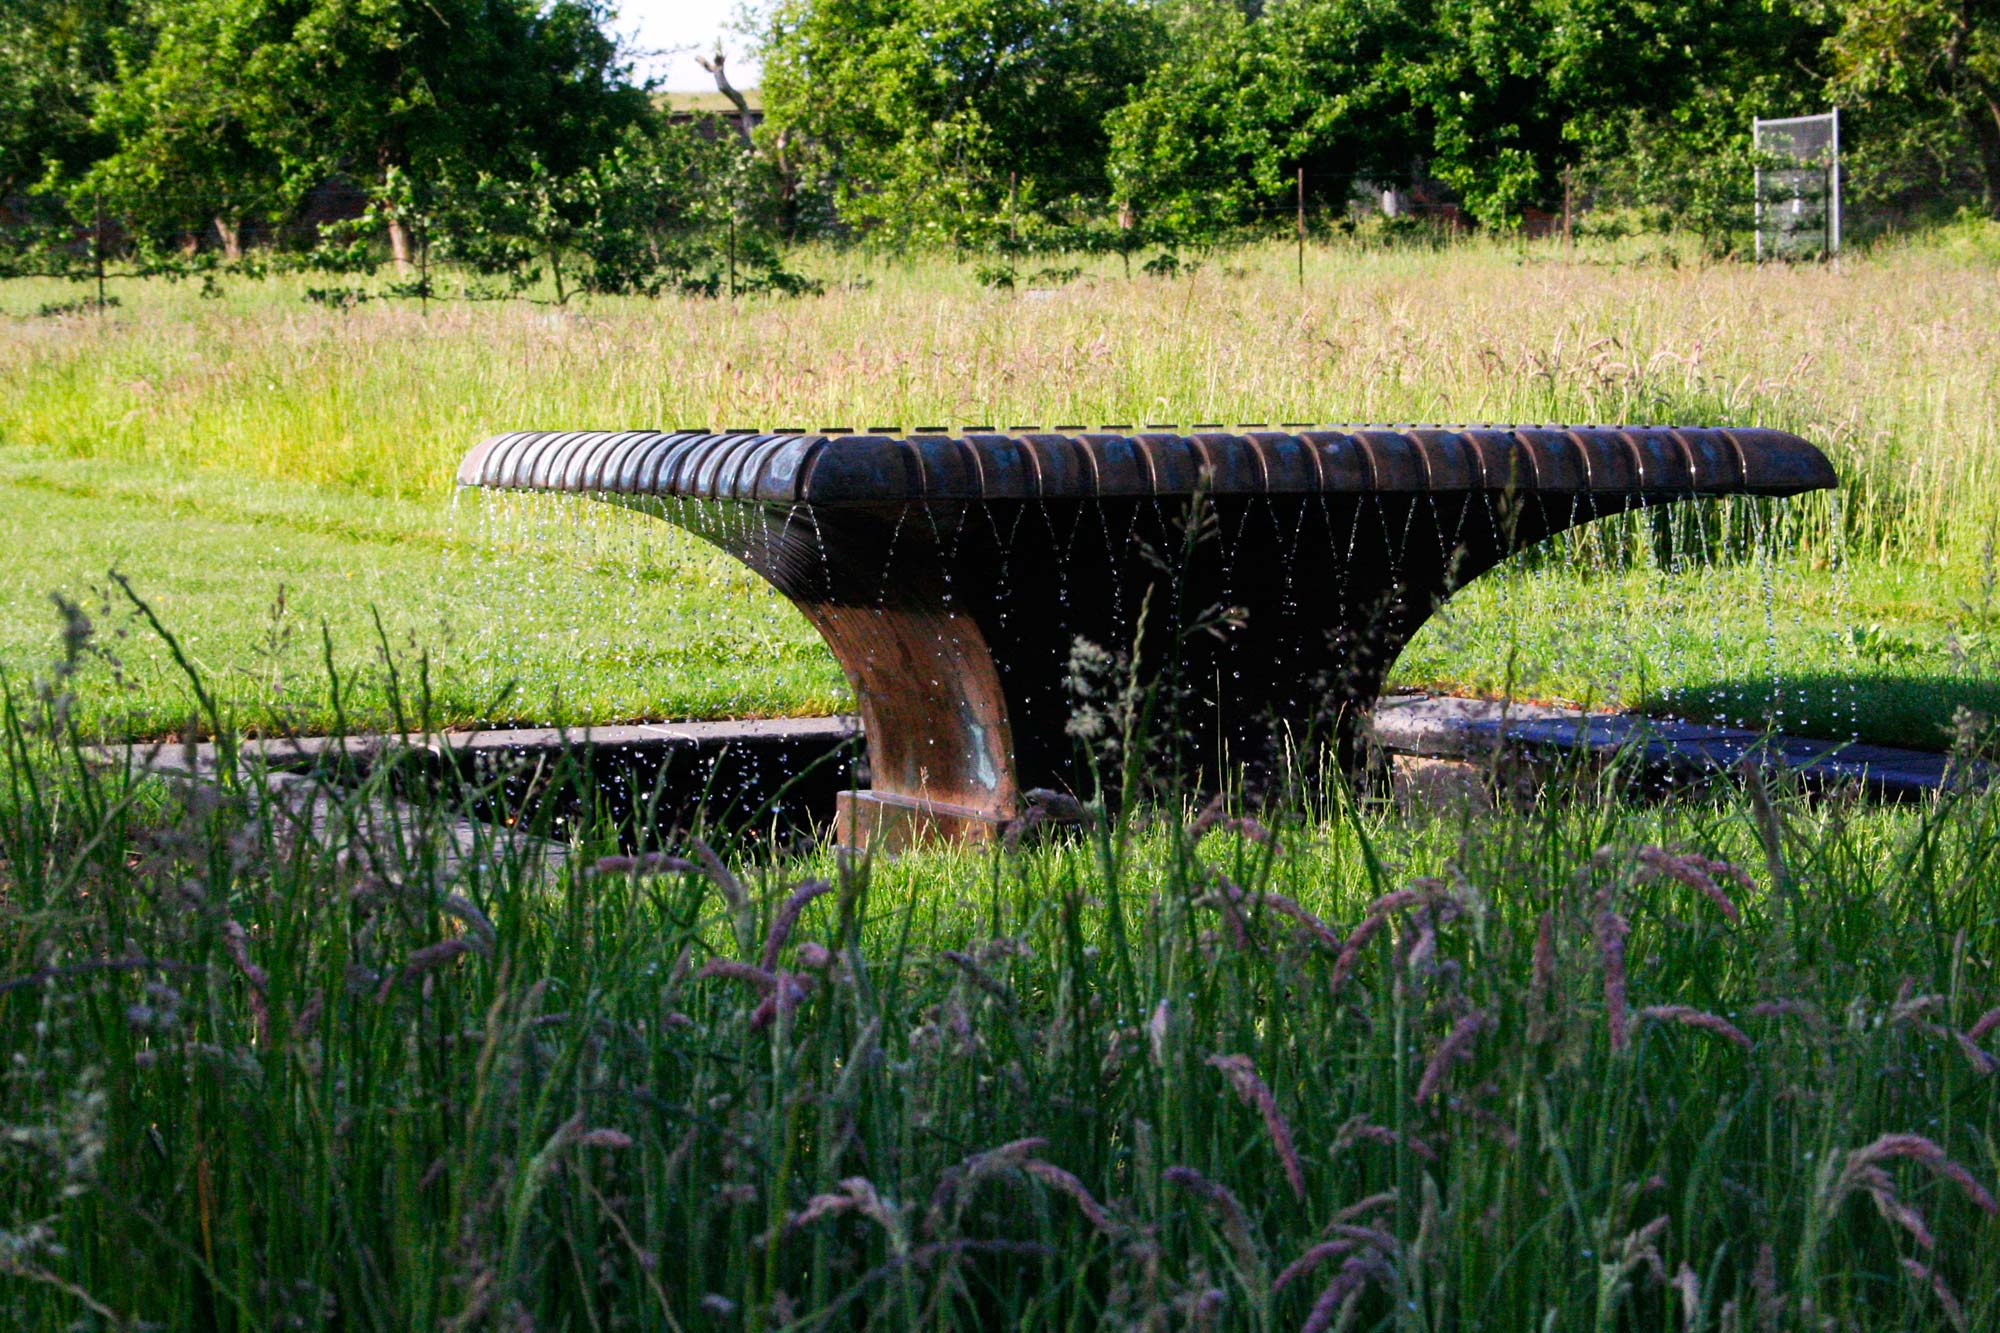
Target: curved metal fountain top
point(1333, 544)
point(853, 469)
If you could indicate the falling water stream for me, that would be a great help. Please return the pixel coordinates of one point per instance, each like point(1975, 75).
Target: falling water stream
point(1626, 609)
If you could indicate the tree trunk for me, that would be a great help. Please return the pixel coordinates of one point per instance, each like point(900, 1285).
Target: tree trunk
point(389, 161)
point(788, 181)
point(744, 122)
point(399, 243)
point(231, 235)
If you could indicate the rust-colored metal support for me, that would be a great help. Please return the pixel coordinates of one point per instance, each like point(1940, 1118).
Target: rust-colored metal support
point(953, 576)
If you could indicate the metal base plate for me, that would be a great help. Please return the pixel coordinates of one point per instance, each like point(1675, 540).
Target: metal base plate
point(885, 823)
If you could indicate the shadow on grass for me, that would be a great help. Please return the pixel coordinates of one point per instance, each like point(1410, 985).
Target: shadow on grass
point(1915, 711)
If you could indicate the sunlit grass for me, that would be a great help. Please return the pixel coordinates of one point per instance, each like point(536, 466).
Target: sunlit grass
point(1886, 362)
point(534, 612)
point(335, 434)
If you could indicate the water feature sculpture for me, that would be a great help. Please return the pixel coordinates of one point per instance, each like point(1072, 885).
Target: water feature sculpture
point(1278, 572)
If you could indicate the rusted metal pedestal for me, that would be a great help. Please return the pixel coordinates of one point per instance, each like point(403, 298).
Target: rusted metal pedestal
point(1270, 578)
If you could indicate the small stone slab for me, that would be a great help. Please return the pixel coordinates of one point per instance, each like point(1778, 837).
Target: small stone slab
point(1667, 748)
point(302, 792)
point(714, 768)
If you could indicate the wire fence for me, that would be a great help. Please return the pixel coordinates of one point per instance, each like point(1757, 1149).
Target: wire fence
point(715, 238)
point(497, 242)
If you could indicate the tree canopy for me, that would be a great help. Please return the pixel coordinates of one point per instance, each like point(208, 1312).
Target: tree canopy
point(54, 56)
point(967, 122)
point(221, 108)
point(928, 115)
point(1194, 111)
point(1927, 74)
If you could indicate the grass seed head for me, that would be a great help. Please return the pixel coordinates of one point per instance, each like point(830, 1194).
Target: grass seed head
point(958, 1182)
point(1363, 1207)
point(1916, 1147)
point(1910, 1006)
point(1307, 1262)
point(1947, 1300)
point(787, 917)
point(1687, 1016)
point(764, 979)
point(1226, 1206)
point(1356, 1129)
point(1254, 1092)
point(1541, 980)
point(463, 908)
point(1320, 932)
point(237, 942)
point(1688, 1286)
point(1881, 1190)
point(639, 867)
point(307, 1019)
point(1456, 1046)
point(1977, 1057)
point(1064, 1182)
point(423, 962)
point(1642, 1247)
point(1350, 953)
point(1769, 1302)
point(1611, 930)
point(1346, 1286)
point(734, 894)
point(1696, 872)
point(789, 991)
point(1783, 1009)
point(858, 1195)
point(979, 976)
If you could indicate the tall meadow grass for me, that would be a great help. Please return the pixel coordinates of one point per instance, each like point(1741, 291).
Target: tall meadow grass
point(1887, 361)
point(1721, 1064)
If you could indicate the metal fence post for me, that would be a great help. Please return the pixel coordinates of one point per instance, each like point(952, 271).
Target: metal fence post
point(423, 256)
point(1302, 227)
point(97, 245)
point(1756, 188)
point(1568, 241)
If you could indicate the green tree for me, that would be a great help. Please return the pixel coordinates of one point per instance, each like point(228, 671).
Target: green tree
point(1496, 98)
point(925, 117)
point(241, 97)
point(1516, 92)
point(54, 57)
point(652, 214)
point(1219, 130)
point(1927, 73)
point(183, 152)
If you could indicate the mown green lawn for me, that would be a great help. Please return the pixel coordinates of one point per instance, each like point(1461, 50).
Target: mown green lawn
point(543, 616)
point(527, 611)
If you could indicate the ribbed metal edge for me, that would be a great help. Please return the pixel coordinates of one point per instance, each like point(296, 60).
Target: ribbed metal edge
point(823, 469)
